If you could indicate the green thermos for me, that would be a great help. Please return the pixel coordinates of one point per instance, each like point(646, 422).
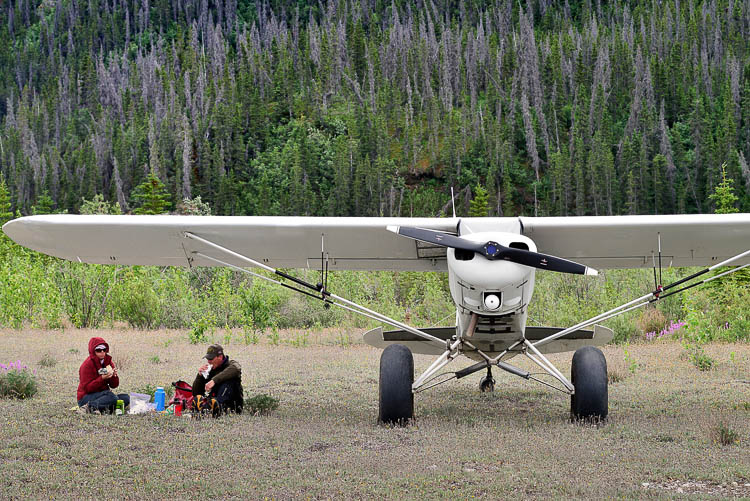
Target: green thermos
point(120, 408)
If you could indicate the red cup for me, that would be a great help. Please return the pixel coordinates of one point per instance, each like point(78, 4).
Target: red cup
point(178, 408)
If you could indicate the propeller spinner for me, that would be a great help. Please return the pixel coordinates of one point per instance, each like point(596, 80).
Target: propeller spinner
point(495, 251)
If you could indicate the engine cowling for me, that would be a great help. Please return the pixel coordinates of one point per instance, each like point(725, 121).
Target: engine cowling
point(490, 287)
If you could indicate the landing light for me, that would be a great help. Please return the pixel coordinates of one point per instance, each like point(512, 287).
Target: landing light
point(491, 302)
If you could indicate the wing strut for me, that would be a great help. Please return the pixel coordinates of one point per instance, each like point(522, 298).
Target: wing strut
point(319, 293)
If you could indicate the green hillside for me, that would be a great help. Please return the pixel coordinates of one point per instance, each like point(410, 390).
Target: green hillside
point(376, 108)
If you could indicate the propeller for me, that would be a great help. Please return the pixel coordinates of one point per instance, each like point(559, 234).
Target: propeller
point(494, 251)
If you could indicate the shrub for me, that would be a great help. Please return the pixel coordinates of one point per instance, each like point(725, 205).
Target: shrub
point(16, 381)
point(204, 323)
point(85, 290)
point(652, 320)
point(630, 362)
point(625, 329)
point(178, 302)
point(718, 313)
point(273, 337)
point(47, 361)
point(261, 404)
point(702, 361)
point(343, 339)
point(250, 335)
point(724, 435)
point(698, 357)
point(259, 306)
point(150, 389)
point(301, 339)
point(428, 298)
point(297, 312)
point(27, 290)
point(137, 302)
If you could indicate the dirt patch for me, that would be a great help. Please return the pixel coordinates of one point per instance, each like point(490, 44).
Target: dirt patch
point(733, 489)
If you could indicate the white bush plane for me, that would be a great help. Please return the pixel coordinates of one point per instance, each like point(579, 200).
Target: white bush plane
point(490, 262)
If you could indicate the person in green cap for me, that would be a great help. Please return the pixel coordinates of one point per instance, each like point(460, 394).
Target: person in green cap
point(218, 386)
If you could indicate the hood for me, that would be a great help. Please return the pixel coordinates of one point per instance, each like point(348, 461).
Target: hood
point(94, 342)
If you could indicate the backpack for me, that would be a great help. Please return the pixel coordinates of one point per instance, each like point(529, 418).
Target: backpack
point(183, 393)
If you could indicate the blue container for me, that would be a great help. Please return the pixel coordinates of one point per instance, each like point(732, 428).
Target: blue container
point(159, 397)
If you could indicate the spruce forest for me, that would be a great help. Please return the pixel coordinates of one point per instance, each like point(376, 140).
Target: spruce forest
point(376, 108)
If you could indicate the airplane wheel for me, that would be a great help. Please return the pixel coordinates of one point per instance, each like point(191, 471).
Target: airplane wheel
point(396, 378)
point(487, 383)
point(589, 377)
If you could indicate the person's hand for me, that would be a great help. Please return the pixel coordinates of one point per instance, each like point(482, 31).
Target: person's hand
point(204, 368)
point(107, 376)
point(210, 385)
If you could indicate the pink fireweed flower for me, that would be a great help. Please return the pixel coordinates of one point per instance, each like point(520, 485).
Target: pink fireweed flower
point(674, 327)
point(666, 331)
point(14, 366)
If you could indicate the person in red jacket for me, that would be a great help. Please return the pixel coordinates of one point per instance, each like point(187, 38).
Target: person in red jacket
point(96, 376)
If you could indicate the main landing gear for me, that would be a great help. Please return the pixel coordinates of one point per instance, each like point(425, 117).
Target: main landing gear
point(588, 373)
point(587, 386)
point(396, 378)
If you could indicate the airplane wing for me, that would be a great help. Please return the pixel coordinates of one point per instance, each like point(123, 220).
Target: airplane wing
point(280, 242)
point(630, 241)
point(365, 244)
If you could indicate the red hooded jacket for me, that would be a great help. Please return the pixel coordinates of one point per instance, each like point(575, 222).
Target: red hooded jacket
point(90, 381)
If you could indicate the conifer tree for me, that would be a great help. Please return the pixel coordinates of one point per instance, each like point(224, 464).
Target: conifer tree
point(479, 205)
point(659, 165)
point(723, 196)
point(44, 204)
point(508, 207)
point(6, 214)
point(151, 196)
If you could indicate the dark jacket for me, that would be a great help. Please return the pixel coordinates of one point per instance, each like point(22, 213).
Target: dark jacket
point(89, 379)
point(228, 370)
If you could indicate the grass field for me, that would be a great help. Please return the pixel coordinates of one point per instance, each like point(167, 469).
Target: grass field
point(663, 437)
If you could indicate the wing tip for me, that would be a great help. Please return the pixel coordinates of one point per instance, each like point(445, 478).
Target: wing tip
point(591, 271)
point(11, 228)
point(393, 228)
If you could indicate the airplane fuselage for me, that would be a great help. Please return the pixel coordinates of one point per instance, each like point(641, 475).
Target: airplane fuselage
point(491, 296)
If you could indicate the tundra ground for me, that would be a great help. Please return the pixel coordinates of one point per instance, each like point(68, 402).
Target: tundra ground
point(664, 436)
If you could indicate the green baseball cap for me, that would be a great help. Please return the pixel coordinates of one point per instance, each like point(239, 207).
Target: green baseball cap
point(213, 351)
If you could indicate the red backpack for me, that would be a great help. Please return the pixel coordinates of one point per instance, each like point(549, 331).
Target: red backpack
point(183, 393)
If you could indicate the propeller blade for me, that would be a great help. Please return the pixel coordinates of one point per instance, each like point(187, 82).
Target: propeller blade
point(545, 262)
point(437, 238)
point(493, 250)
